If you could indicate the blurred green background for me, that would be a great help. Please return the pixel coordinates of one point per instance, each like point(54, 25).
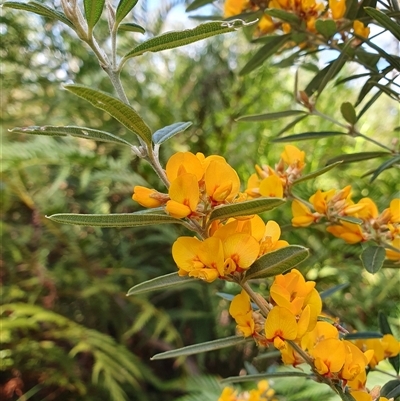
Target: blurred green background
point(68, 330)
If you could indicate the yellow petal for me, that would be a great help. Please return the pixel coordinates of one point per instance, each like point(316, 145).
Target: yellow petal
point(304, 322)
point(360, 29)
point(331, 354)
point(292, 155)
point(184, 162)
point(280, 323)
point(211, 253)
point(395, 211)
point(240, 304)
point(185, 189)
point(177, 210)
point(338, 8)
point(146, 197)
point(185, 253)
point(271, 187)
point(272, 230)
point(205, 274)
point(242, 248)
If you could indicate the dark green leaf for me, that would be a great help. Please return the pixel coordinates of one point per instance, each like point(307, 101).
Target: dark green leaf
point(384, 166)
point(391, 389)
point(326, 28)
point(327, 293)
point(170, 40)
point(362, 335)
point(93, 11)
point(316, 173)
point(348, 112)
point(283, 15)
point(131, 27)
point(352, 77)
point(40, 9)
point(169, 131)
point(113, 220)
point(386, 89)
point(260, 376)
point(277, 262)
point(384, 21)
point(391, 59)
point(124, 7)
point(122, 112)
point(203, 347)
point(160, 283)
point(246, 208)
point(308, 135)
point(365, 89)
point(197, 4)
point(80, 132)
point(271, 116)
point(370, 59)
point(351, 9)
point(365, 3)
point(355, 157)
point(270, 48)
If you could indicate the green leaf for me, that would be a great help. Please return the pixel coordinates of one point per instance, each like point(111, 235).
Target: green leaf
point(69, 130)
point(283, 15)
point(93, 11)
point(246, 208)
point(197, 4)
point(271, 116)
point(291, 124)
point(131, 27)
point(308, 135)
point(124, 6)
point(113, 220)
point(351, 9)
point(326, 28)
point(384, 166)
point(391, 389)
point(372, 258)
point(203, 347)
point(260, 376)
point(169, 131)
point(384, 21)
point(38, 8)
point(348, 112)
point(349, 219)
point(391, 59)
point(315, 173)
point(356, 157)
point(385, 329)
point(327, 293)
point(362, 335)
point(122, 112)
point(344, 395)
point(170, 40)
point(160, 283)
point(365, 3)
point(351, 78)
point(277, 262)
point(273, 44)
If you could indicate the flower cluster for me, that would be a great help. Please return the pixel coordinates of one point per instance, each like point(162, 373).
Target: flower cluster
point(333, 205)
point(292, 326)
point(263, 392)
point(306, 11)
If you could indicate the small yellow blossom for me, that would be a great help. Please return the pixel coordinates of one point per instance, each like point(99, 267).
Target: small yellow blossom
point(392, 254)
point(293, 156)
point(349, 232)
point(302, 215)
point(148, 197)
point(271, 187)
point(329, 356)
point(338, 8)
point(360, 29)
point(182, 163)
point(240, 310)
point(280, 325)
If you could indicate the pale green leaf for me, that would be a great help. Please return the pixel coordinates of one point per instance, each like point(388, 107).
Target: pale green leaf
point(93, 11)
point(261, 376)
point(124, 6)
point(356, 157)
point(316, 173)
point(160, 283)
point(171, 40)
point(326, 28)
point(246, 208)
point(372, 258)
point(131, 27)
point(169, 131)
point(113, 220)
point(348, 112)
point(203, 347)
point(308, 135)
point(122, 112)
point(350, 219)
point(69, 130)
point(277, 262)
point(197, 4)
point(271, 116)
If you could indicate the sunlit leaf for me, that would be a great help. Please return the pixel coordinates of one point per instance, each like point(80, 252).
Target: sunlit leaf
point(169, 131)
point(170, 40)
point(348, 112)
point(308, 135)
point(316, 173)
point(246, 208)
point(355, 157)
point(351, 9)
point(197, 4)
point(131, 27)
point(124, 7)
point(69, 130)
point(261, 376)
point(113, 220)
point(122, 112)
point(362, 335)
point(277, 262)
point(271, 116)
point(202, 347)
point(327, 293)
point(93, 11)
point(160, 283)
point(384, 21)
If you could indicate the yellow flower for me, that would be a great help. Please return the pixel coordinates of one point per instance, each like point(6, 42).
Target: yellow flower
point(355, 362)
point(270, 240)
point(184, 194)
point(349, 232)
point(321, 331)
point(391, 347)
point(293, 156)
point(234, 7)
point(148, 197)
point(302, 215)
point(391, 254)
point(240, 251)
point(280, 325)
point(395, 211)
point(329, 356)
point(271, 187)
point(370, 211)
point(320, 200)
point(266, 25)
point(228, 394)
point(360, 29)
point(338, 8)
point(375, 345)
point(182, 163)
point(240, 310)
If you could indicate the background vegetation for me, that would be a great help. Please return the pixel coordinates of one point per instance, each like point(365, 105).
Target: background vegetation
point(76, 335)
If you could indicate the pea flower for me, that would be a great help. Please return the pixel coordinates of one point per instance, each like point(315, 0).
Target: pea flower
point(240, 309)
point(360, 29)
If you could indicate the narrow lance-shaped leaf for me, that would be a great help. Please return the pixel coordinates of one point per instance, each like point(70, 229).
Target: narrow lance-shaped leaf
point(362, 335)
point(93, 11)
point(384, 21)
point(160, 283)
point(283, 15)
point(203, 347)
point(372, 258)
point(351, 219)
point(113, 220)
point(171, 40)
point(69, 130)
point(261, 376)
point(124, 6)
point(122, 112)
point(197, 4)
point(391, 390)
point(316, 173)
point(277, 262)
point(330, 291)
point(291, 124)
point(131, 27)
point(355, 157)
point(246, 208)
point(271, 116)
point(169, 131)
point(308, 135)
point(384, 166)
